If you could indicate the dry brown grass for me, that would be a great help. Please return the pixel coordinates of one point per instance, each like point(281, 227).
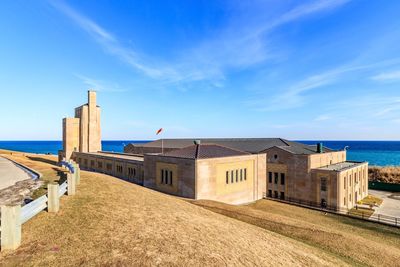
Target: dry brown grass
point(113, 222)
point(358, 242)
point(389, 174)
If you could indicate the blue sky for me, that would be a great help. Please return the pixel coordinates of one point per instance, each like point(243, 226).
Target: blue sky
point(293, 69)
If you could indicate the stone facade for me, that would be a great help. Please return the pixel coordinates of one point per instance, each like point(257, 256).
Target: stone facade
point(83, 132)
point(285, 170)
point(234, 180)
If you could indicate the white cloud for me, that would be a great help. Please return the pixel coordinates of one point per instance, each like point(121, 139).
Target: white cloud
point(233, 47)
point(99, 85)
point(387, 76)
point(323, 117)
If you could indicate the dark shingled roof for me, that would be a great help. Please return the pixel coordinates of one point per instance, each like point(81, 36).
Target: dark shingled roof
point(251, 145)
point(204, 151)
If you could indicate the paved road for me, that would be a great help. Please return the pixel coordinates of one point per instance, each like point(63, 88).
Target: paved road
point(390, 205)
point(10, 173)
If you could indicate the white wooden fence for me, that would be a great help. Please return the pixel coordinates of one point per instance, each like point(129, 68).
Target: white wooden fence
point(14, 216)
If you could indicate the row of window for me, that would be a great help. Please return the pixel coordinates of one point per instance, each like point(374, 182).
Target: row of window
point(356, 178)
point(166, 177)
point(235, 176)
point(280, 195)
point(276, 177)
point(119, 168)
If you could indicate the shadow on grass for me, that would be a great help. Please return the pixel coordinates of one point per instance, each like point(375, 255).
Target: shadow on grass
point(384, 229)
point(48, 161)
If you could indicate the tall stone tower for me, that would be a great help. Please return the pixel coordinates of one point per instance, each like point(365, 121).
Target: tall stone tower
point(82, 133)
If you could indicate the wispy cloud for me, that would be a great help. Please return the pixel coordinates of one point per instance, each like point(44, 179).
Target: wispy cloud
point(111, 44)
point(232, 48)
point(387, 76)
point(100, 85)
point(295, 95)
point(323, 117)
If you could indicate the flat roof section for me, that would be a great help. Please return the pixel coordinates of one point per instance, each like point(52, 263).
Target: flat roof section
point(113, 155)
point(341, 166)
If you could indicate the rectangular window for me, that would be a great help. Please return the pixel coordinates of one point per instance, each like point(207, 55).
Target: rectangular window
point(269, 193)
point(350, 180)
point(109, 166)
point(162, 176)
point(227, 177)
point(232, 177)
point(100, 165)
point(344, 182)
point(323, 183)
point(269, 177)
point(241, 174)
point(245, 174)
point(282, 178)
point(282, 195)
point(237, 176)
point(276, 177)
point(275, 194)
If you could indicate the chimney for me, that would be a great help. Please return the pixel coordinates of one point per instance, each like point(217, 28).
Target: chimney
point(196, 142)
point(320, 148)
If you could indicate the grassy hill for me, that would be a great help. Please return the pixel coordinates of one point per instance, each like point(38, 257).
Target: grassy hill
point(113, 222)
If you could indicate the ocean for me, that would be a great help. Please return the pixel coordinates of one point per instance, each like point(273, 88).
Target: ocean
point(379, 153)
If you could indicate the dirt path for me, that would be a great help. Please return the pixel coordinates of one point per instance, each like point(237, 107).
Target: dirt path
point(10, 173)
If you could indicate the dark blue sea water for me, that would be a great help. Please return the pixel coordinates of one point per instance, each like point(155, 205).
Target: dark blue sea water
point(380, 153)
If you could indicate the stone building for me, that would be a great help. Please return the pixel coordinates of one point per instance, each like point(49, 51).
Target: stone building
point(230, 170)
point(83, 132)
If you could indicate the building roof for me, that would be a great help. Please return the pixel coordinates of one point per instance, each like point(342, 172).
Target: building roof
point(341, 166)
point(251, 145)
point(105, 154)
point(205, 151)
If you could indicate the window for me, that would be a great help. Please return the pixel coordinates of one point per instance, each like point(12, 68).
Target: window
point(109, 166)
point(245, 174)
point(276, 177)
point(282, 195)
point(350, 180)
point(269, 193)
point(282, 178)
point(92, 163)
point(355, 178)
point(236, 176)
point(344, 182)
point(100, 165)
point(275, 156)
point(166, 177)
point(270, 177)
point(275, 194)
point(323, 183)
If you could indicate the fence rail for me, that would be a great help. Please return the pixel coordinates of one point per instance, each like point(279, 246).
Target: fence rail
point(33, 208)
point(62, 189)
point(14, 216)
point(379, 218)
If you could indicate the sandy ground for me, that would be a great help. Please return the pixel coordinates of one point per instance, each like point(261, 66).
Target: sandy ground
point(10, 173)
point(390, 206)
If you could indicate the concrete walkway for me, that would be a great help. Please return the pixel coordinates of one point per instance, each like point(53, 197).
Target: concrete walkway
point(390, 205)
point(10, 173)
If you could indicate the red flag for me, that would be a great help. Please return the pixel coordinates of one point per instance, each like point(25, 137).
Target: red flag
point(159, 131)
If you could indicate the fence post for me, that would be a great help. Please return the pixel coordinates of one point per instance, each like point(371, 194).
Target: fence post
point(77, 173)
point(53, 202)
point(10, 227)
point(71, 184)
